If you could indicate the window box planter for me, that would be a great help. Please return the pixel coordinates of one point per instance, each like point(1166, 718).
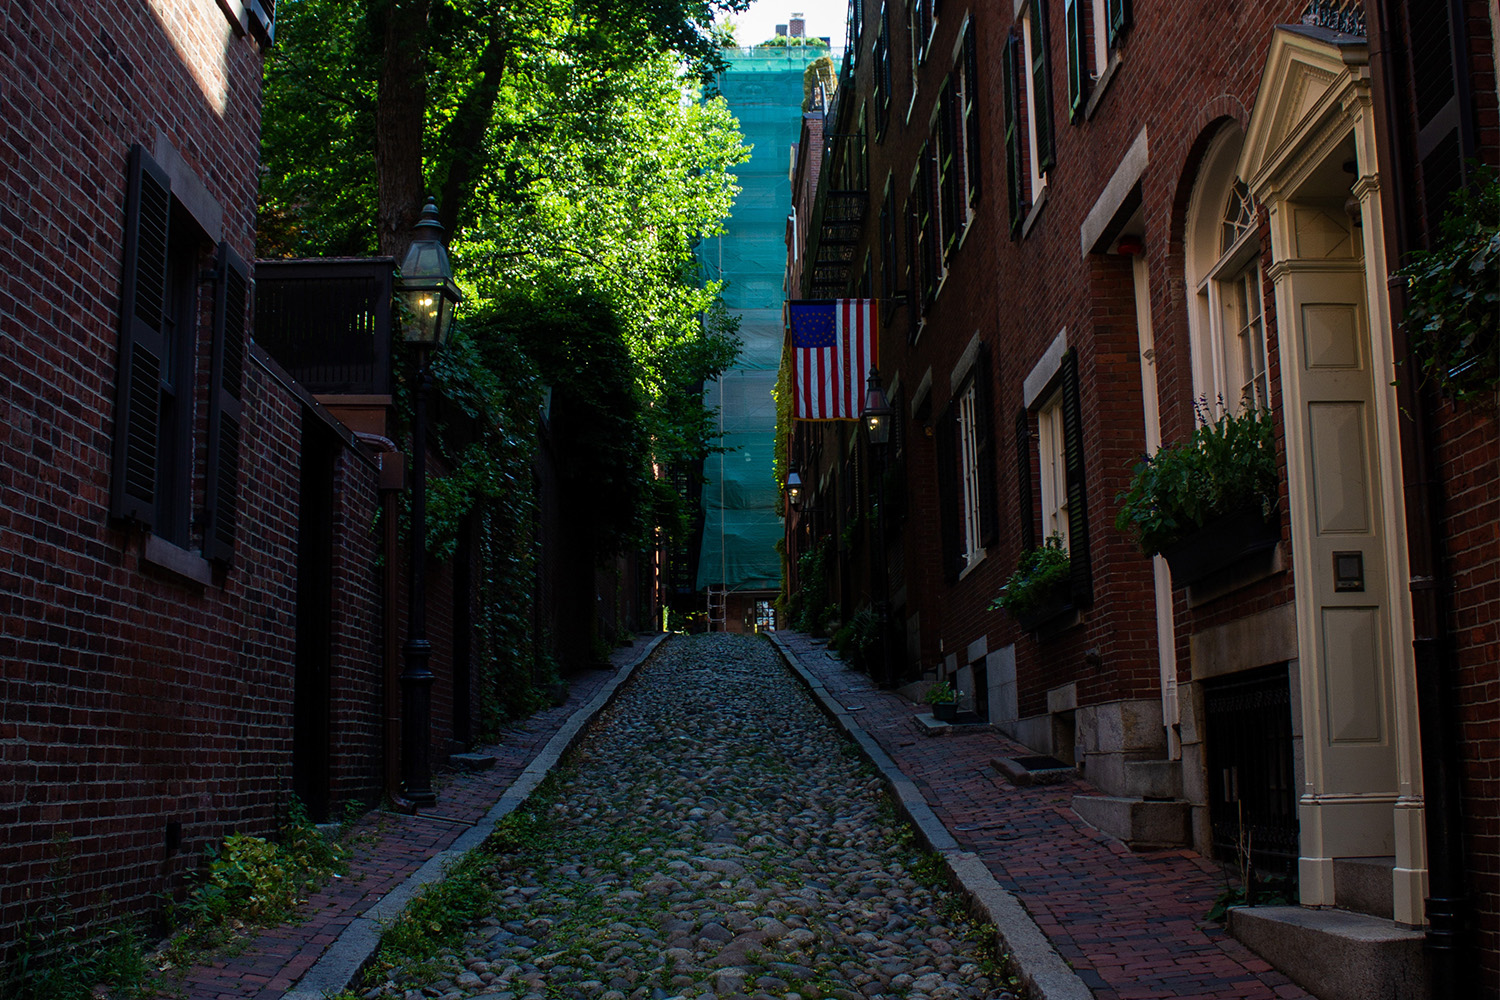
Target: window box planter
point(1050, 601)
point(1220, 543)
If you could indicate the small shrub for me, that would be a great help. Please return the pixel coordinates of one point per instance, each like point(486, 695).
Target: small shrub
point(1227, 465)
point(1039, 572)
point(1453, 295)
point(941, 693)
point(255, 881)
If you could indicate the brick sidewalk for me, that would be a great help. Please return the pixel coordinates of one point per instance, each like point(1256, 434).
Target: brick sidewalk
point(1129, 923)
point(389, 848)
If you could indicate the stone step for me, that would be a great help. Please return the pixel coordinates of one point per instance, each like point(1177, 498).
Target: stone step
point(1364, 885)
point(1134, 779)
point(1335, 954)
point(1143, 824)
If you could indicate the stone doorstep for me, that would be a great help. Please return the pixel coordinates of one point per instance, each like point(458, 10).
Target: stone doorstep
point(927, 725)
point(1335, 954)
point(1142, 824)
point(1364, 885)
point(469, 762)
point(1025, 771)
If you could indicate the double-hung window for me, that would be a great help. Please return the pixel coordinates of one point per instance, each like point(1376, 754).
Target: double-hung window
point(882, 55)
point(1053, 458)
point(1227, 319)
point(1095, 30)
point(966, 470)
point(177, 285)
point(1030, 149)
point(1056, 448)
point(968, 447)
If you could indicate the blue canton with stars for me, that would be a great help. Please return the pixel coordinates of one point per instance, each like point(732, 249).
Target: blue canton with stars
point(812, 325)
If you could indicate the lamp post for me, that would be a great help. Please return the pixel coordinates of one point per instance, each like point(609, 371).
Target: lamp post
point(427, 290)
point(877, 420)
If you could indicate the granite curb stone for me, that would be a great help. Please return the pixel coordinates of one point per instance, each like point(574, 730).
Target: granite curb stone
point(1036, 961)
point(356, 945)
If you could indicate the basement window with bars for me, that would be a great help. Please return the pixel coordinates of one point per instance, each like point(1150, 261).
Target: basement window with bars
point(177, 285)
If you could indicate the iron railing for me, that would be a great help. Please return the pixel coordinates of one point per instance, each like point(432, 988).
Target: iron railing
point(327, 321)
point(1252, 800)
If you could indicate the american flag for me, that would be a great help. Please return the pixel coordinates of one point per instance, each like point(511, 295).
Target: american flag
point(833, 349)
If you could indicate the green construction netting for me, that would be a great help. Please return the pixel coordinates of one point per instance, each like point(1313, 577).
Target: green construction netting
point(741, 509)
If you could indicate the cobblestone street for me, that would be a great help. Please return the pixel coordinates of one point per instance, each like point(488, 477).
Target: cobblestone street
point(715, 835)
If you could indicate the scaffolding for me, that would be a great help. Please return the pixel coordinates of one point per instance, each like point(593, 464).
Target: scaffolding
point(741, 499)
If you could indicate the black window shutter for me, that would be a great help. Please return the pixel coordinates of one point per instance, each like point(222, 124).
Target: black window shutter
point(984, 448)
point(148, 208)
point(1041, 85)
point(263, 20)
point(1023, 481)
point(948, 495)
point(1440, 90)
point(1078, 517)
point(1078, 77)
point(226, 404)
point(971, 119)
point(913, 267)
point(1118, 13)
point(1015, 183)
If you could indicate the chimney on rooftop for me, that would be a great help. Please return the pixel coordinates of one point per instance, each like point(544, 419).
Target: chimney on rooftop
point(798, 27)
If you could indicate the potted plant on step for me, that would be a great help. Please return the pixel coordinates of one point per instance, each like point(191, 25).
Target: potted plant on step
point(1207, 502)
point(1041, 588)
point(944, 701)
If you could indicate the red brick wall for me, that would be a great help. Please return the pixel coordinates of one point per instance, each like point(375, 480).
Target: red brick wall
point(1469, 465)
point(1019, 294)
point(358, 612)
point(132, 699)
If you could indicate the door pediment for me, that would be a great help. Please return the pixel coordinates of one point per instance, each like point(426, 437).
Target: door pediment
point(1310, 71)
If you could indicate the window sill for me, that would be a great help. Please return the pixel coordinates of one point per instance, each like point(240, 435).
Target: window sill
point(1096, 94)
point(972, 562)
point(161, 554)
point(1037, 205)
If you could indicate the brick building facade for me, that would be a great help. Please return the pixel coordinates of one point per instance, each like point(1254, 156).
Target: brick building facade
point(195, 603)
point(1086, 234)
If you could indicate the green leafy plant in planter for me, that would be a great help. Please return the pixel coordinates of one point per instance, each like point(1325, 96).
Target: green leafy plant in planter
point(1220, 482)
point(1039, 588)
point(944, 700)
point(1453, 295)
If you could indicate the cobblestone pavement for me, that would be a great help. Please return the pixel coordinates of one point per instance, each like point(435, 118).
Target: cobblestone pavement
point(715, 835)
point(389, 847)
point(1131, 924)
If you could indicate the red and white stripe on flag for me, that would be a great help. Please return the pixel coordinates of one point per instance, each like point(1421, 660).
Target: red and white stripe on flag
point(833, 348)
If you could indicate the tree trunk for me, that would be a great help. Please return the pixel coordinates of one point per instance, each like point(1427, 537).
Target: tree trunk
point(463, 138)
point(401, 104)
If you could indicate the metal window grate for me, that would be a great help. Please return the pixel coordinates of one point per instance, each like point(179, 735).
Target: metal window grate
point(1248, 722)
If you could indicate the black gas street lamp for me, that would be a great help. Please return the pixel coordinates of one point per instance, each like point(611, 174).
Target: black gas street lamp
point(794, 490)
point(877, 420)
point(429, 295)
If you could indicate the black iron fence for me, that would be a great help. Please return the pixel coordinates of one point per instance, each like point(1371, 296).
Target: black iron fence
point(327, 321)
point(1252, 796)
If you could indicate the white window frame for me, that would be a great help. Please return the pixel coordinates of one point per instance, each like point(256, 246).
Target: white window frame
point(1054, 468)
point(968, 452)
point(1037, 180)
point(1227, 317)
point(1101, 37)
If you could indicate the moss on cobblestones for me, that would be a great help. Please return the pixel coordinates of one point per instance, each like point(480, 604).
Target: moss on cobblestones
point(712, 836)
